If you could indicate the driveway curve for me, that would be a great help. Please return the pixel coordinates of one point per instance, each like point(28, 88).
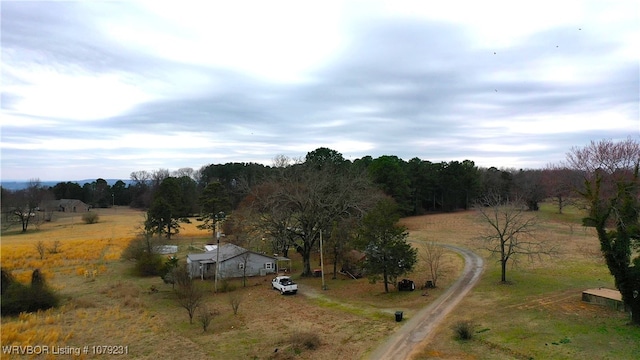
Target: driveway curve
point(404, 341)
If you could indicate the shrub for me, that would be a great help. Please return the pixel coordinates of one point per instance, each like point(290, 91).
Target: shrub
point(205, 316)
point(235, 299)
point(149, 265)
point(140, 250)
point(226, 286)
point(17, 297)
point(40, 249)
point(90, 217)
point(307, 340)
point(463, 330)
point(55, 248)
point(6, 280)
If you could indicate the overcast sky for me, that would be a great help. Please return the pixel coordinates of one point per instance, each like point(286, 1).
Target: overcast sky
point(101, 89)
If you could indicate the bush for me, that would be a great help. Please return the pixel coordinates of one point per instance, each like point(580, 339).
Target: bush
point(205, 316)
point(307, 340)
point(7, 279)
point(90, 217)
point(464, 330)
point(17, 297)
point(149, 265)
point(226, 286)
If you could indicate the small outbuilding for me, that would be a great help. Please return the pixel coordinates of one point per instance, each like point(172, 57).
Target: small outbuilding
point(603, 296)
point(65, 205)
point(235, 262)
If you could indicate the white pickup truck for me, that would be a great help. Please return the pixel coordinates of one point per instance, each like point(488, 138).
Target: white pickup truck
point(284, 284)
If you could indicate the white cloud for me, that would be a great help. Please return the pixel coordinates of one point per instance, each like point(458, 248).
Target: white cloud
point(68, 92)
point(276, 41)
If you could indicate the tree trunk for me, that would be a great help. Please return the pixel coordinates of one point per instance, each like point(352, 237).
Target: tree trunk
point(503, 261)
point(386, 282)
point(305, 251)
point(635, 310)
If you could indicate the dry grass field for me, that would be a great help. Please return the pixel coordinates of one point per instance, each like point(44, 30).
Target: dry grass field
point(539, 315)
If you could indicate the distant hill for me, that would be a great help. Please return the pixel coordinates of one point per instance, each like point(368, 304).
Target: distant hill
point(19, 185)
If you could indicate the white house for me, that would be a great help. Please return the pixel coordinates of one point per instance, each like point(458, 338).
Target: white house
point(235, 261)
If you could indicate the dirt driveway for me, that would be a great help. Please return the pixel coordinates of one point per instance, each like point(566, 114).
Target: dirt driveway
point(401, 344)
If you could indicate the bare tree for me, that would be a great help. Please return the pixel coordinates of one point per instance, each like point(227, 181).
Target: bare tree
point(301, 201)
point(205, 316)
point(510, 231)
point(55, 248)
point(245, 262)
point(157, 176)
point(22, 205)
point(340, 241)
point(185, 171)
point(188, 294)
point(41, 249)
point(432, 255)
point(281, 161)
point(560, 183)
point(235, 299)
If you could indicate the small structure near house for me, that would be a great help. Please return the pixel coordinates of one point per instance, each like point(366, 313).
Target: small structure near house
point(283, 264)
point(352, 264)
point(65, 205)
point(603, 296)
point(165, 249)
point(235, 262)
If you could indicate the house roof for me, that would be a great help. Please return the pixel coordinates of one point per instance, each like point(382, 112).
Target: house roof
point(227, 251)
point(66, 203)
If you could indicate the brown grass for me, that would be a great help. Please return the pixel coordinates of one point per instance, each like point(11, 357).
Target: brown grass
point(349, 320)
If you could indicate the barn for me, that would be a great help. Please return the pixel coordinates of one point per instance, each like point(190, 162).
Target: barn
point(235, 262)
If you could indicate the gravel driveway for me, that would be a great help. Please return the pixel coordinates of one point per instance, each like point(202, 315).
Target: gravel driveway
point(404, 341)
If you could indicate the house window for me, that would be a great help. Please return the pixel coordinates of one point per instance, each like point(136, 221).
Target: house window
point(268, 266)
point(241, 266)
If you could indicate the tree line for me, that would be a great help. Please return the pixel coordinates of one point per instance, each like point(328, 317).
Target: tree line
point(418, 186)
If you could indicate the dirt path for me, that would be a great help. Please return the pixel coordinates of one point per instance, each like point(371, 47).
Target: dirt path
point(418, 328)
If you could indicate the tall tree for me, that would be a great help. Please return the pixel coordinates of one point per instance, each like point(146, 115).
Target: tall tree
point(390, 174)
point(340, 241)
point(167, 210)
point(300, 201)
point(560, 185)
point(510, 232)
point(161, 219)
point(528, 185)
point(612, 192)
point(324, 158)
point(121, 193)
point(140, 189)
point(422, 181)
point(213, 200)
point(67, 190)
point(102, 195)
point(388, 255)
point(432, 255)
point(458, 183)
